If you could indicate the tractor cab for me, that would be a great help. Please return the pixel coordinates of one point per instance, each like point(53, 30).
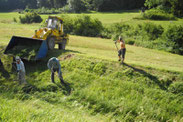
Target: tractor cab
point(54, 22)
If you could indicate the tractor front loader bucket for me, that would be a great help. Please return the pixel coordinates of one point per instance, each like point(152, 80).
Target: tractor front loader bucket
point(27, 48)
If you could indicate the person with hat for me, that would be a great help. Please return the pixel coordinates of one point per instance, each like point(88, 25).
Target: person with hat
point(20, 70)
point(54, 66)
point(122, 50)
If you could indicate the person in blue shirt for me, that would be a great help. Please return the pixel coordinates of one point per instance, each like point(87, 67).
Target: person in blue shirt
point(20, 70)
point(54, 66)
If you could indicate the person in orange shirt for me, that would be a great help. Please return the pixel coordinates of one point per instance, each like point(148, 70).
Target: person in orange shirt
point(122, 50)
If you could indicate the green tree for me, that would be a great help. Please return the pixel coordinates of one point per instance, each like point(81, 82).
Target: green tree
point(96, 4)
point(177, 7)
point(77, 5)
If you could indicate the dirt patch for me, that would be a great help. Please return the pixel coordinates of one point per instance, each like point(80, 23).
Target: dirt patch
point(67, 57)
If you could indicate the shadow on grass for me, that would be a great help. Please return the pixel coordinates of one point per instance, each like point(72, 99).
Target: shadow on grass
point(41, 65)
point(55, 87)
point(5, 73)
point(66, 88)
point(38, 67)
point(153, 78)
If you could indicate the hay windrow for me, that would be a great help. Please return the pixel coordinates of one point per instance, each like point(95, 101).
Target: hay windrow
point(26, 52)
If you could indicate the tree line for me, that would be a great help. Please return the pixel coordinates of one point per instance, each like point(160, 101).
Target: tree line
point(170, 6)
point(74, 5)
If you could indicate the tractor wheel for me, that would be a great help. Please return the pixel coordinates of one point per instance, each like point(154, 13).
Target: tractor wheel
point(51, 43)
point(62, 46)
point(59, 46)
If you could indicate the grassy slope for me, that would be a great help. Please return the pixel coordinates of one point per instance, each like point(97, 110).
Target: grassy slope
point(105, 49)
point(102, 89)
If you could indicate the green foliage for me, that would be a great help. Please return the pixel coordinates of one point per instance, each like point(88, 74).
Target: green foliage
point(30, 18)
point(155, 14)
point(44, 10)
point(106, 32)
point(176, 88)
point(130, 41)
point(174, 34)
point(112, 5)
point(115, 30)
point(148, 35)
point(68, 24)
point(177, 7)
point(86, 26)
point(14, 19)
point(78, 5)
point(150, 30)
point(154, 3)
point(118, 29)
point(72, 5)
point(99, 68)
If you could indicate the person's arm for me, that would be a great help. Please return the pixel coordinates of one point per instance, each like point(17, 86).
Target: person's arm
point(117, 41)
point(48, 64)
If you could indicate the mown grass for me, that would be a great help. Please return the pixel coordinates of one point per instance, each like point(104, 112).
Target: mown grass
point(100, 88)
point(105, 49)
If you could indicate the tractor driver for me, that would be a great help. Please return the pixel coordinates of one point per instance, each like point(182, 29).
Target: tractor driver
point(122, 50)
point(54, 65)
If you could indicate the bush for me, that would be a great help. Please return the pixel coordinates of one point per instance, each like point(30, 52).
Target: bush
point(156, 14)
point(149, 30)
point(86, 26)
point(30, 18)
point(175, 34)
point(130, 41)
point(106, 33)
point(116, 30)
point(177, 7)
point(14, 20)
point(44, 10)
point(68, 24)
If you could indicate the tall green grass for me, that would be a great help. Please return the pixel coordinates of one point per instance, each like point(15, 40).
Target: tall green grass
point(99, 88)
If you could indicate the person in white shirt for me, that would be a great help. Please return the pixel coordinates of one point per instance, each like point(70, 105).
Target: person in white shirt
point(20, 70)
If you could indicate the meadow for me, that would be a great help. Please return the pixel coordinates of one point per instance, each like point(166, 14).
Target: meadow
point(148, 87)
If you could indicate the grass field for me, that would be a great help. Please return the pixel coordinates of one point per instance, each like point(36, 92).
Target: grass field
point(148, 87)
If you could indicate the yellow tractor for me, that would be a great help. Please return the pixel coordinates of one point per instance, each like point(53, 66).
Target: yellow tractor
point(53, 33)
point(44, 39)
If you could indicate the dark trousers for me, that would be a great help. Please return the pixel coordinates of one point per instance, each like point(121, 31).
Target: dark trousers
point(122, 52)
point(59, 75)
